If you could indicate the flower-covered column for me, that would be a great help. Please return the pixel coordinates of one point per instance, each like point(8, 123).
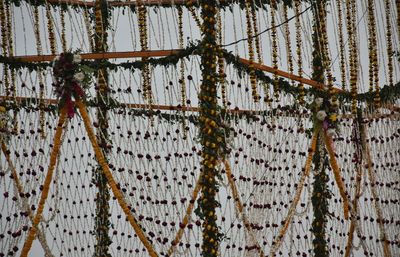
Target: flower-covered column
point(102, 223)
point(211, 133)
point(321, 193)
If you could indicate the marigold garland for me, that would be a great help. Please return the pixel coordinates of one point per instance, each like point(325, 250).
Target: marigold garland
point(299, 52)
point(274, 48)
point(110, 180)
point(46, 185)
point(388, 13)
point(253, 80)
point(63, 37)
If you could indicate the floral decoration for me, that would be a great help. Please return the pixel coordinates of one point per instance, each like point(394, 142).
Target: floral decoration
point(71, 79)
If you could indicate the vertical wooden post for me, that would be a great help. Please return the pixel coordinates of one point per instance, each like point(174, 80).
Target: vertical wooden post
point(102, 222)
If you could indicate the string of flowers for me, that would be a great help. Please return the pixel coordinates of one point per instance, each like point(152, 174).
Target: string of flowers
point(253, 80)
point(50, 30)
point(299, 51)
point(46, 185)
point(211, 133)
point(63, 37)
point(277, 242)
point(192, 11)
point(182, 68)
point(4, 46)
point(389, 47)
point(88, 29)
point(40, 74)
point(142, 22)
point(341, 45)
point(274, 48)
point(350, 12)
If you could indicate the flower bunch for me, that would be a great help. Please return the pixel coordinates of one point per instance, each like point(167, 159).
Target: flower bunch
point(69, 77)
point(325, 114)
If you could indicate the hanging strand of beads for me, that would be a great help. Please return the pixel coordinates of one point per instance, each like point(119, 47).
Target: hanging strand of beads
point(39, 73)
point(299, 51)
point(274, 48)
point(142, 16)
point(63, 38)
point(50, 30)
point(341, 45)
point(189, 5)
point(4, 46)
point(221, 64)
point(253, 80)
point(388, 13)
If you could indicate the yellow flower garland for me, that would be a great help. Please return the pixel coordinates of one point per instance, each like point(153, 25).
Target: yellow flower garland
point(336, 173)
point(46, 185)
point(186, 218)
point(110, 180)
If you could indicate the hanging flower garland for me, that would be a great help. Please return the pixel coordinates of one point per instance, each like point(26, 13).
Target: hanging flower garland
point(70, 80)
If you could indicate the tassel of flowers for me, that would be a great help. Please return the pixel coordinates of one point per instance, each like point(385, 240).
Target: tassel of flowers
point(292, 209)
point(211, 133)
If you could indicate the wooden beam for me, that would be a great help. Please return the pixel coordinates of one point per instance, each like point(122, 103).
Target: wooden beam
point(127, 3)
point(161, 53)
point(108, 55)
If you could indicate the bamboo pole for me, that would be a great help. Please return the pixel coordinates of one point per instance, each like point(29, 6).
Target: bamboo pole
point(25, 206)
point(306, 172)
point(161, 53)
point(239, 206)
point(111, 182)
point(46, 185)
